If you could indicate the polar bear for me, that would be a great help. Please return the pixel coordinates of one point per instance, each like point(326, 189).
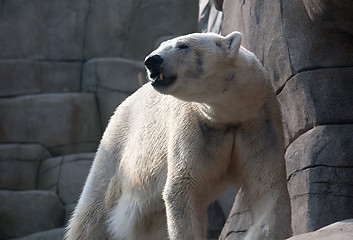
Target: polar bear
point(207, 119)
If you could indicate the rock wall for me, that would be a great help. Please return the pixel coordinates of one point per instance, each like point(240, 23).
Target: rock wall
point(307, 47)
point(64, 67)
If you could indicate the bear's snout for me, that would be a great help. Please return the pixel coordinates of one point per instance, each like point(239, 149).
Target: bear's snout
point(154, 63)
point(159, 75)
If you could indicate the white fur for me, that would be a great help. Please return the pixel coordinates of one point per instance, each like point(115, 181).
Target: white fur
point(123, 216)
point(166, 155)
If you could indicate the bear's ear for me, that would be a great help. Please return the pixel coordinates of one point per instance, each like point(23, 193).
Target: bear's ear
point(232, 42)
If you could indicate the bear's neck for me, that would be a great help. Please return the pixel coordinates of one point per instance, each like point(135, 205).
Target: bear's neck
point(243, 99)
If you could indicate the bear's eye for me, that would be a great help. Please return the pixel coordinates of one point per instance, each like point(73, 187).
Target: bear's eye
point(183, 46)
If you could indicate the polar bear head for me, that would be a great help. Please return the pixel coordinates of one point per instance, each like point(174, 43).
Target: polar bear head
point(194, 67)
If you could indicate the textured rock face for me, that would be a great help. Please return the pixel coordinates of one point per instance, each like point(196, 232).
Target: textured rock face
point(307, 47)
point(62, 122)
point(19, 165)
point(285, 39)
point(26, 212)
point(43, 29)
point(320, 177)
point(333, 14)
point(115, 28)
point(113, 80)
point(65, 175)
point(63, 71)
point(55, 234)
point(66, 30)
point(317, 97)
point(338, 231)
point(20, 77)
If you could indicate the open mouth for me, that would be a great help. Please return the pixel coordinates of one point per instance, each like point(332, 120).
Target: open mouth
point(160, 80)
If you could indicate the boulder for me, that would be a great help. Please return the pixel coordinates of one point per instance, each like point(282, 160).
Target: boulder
point(342, 230)
point(261, 24)
point(69, 209)
point(320, 189)
point(19, 165)
point(129, 29)
point(307, 48)
point(270, 30)
point(316, 97)
point(238, 220)
point(108, 100)
point(216, 220)
point(113, 80)
point(331, 14)
point(55, 234)
point(65, 175)
point(40, 29)
point(26, 212)
point(19, 77)
point(64, 123)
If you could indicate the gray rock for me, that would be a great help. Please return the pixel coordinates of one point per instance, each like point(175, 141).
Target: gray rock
point(65, 123)
point(55, 234)
point(19, 165)
point(26, 212)
point(308, 51)
point(65, 175)
point(342, 230)
point(331, 14)
point(316, 97)
point(129, 29)
point(73, 174)
point(263, 33)
point(274, 30)
point(49, 174)
point(238, 220)
point(41, 29)
point(226, 200)
point(108, 101)
point(320, 189)
point(18, 77)
point(69, 209)
point(117, 74)
point(113, 80)
point(216, 220)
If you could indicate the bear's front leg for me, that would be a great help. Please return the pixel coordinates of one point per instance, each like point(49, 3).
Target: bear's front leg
point(264, 188)
point(186, 212)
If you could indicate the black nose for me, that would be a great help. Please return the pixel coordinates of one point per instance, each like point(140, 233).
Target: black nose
point(154, 62)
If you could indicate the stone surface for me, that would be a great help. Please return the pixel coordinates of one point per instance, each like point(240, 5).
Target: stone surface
point(274, 30)
point(19, 165)
point(321, 190)
point(317, 97)
point(342, 230)
point(65, 123)
point(334, 14)
point(216, 220)
point(129, 29)
point(117, 74)
point(263, 33)
point(55, 234)
point(41, 29)
point(65, 175)
point(55, 99)
point(226, 200)
point(19, 77)
point(26, 212)
point(113, 80)
point(108, 100)
point(307, 48)
point(238, 220)
point(69, 209)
